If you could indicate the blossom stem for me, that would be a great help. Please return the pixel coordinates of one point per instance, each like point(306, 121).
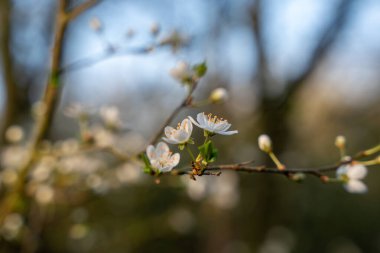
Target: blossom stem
point(333, 180)
point(342, 151)
point(190, 153)
point(274, 158)
point(368, 152)
point(370, 162)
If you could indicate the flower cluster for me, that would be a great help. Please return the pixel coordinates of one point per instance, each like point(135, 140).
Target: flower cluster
point(160, 158)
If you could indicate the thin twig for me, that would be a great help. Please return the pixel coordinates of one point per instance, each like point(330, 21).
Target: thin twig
point(105, 55)
point(82, 8)
point(243, 167)
point(185, 102)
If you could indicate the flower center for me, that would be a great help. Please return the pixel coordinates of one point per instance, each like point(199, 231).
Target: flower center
point(215, 119)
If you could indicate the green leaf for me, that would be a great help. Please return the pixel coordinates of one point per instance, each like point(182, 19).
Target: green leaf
point(200, 69)
point(148, 168)
point(208, 152)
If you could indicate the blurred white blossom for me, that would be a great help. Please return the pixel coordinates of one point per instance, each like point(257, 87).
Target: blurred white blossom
point(351, 175)
point(110, 116)
point(128, 173)
point(225, 191)
point(14, 134)
point(44, 194)
point(9, 176)
point(13, 156)
point(12, 225)
point(78, 111)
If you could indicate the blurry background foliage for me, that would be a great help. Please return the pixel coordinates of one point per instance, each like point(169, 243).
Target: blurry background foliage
point(302, 71)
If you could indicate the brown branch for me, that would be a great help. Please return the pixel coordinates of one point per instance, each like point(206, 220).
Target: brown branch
point(262, 73)
point(327, 39)
point(82, 8)
point(49, 100)
point(243, 167)
point(107, 54)
point(6, 62)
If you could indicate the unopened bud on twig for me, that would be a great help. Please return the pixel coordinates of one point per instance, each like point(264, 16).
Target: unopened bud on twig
point(181, 71)
point(265, 143)
point(218, 95)
point(340, 141)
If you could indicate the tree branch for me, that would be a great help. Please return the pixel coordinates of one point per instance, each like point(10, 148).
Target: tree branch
point(327, 39)
point(185, 102)
point(92, 60)
point(9, 85)
point(82, 8)
point(317, 172)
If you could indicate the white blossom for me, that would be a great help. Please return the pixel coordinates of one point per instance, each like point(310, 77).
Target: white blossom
point(213, 124)
point(161, 158)
point(351, 175)
point(181, 134)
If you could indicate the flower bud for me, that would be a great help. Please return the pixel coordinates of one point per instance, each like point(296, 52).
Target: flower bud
point(340, 141)
point(218, 95)
point(265, 143)
point(180, 71)
point(298, 177)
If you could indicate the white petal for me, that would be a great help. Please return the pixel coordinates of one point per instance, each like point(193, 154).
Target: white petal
point(356, 171)
point(356, 186)
point(175, 159)
point(222, 126)
point(182, 137)
point(171, 141)
point(228, 132)
point(169, 131)
point(202, 119)
point(150, 152)
point(187, 126)
point(161, 149)
point(194, 122)
point(171, 163)
point(342, 170)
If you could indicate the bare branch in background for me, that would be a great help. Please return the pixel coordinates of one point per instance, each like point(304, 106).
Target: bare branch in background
point(9, 85)
point(262, 74)
point(327, 39)
point(82, 8)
